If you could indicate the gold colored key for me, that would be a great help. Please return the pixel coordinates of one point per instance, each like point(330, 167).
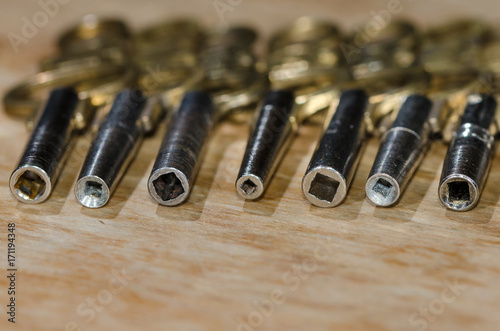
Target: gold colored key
point(167, 56)
point(387, 67)
point(451, 55)
point(233, 74)
point(93, 58)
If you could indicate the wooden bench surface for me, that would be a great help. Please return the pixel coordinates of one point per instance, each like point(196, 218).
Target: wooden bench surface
point(220, 263)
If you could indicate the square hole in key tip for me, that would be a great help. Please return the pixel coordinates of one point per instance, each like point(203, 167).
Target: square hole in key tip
point(323, 187)
point(168, 186)
point(248, 187)
point(382, 187)
point(93, 189)
point(30, 186)
point(458, 191)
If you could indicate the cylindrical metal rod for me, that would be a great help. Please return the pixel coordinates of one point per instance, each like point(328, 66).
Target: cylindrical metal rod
point(402, 149)
point(112, 150)
point(178, 160)
point(269, 139)
point(469, 156)
point(335, 160)
point(44, 156)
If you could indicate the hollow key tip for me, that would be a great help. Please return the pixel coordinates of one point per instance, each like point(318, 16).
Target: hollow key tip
point(250, 187)
point(324, 187)
point(30, 184)
point(92, 192)
point(382, 190)
point(459, 193)
point(168, 186)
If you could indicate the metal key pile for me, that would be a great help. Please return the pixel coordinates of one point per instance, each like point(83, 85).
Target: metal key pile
point(407, 87)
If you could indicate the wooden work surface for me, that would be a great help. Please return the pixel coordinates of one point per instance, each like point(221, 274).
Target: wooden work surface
point(208, 264)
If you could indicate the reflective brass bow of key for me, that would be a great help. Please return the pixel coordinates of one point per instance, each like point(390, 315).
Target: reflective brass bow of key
point(489, 65)
point(93, 57)
point(305, 54)
point(451, 55)
point(233, 74)
point(168, 58)
point(388, 67)
point(306, 57)
point(233, 80)
point(393, 49)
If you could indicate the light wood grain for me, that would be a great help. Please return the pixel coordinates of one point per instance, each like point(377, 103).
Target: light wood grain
point(204, 265)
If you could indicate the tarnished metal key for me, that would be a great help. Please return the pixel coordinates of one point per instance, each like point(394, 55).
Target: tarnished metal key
point(113, 149)
point(178, 160)
point(305, 68)
point(267, 142)
point(336, 158)
point(44, 156)
point(402, 149)
point(232, 82)
point(386, 71)
point(469, 156)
